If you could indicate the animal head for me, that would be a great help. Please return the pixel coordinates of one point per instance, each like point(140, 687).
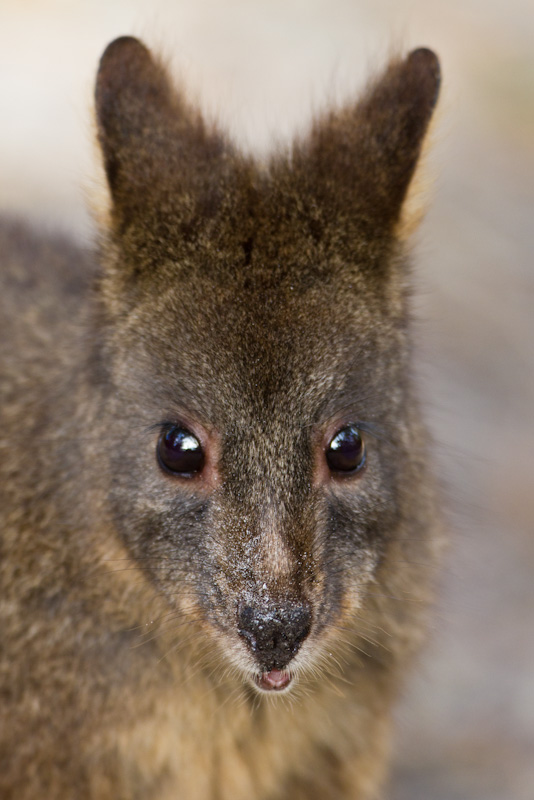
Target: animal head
point(260, 429)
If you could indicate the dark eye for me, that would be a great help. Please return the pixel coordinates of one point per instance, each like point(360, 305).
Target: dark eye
point(346, 451)
point(180, 452)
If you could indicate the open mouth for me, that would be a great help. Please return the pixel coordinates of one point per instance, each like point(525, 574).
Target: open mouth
point(274, 681)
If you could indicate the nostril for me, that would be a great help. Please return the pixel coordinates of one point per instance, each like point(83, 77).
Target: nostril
point(300, 620)
point(274, 633)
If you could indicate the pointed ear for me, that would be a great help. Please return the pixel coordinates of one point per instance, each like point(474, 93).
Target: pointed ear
point(152, 141)
point(369, 153)
point(131, 92)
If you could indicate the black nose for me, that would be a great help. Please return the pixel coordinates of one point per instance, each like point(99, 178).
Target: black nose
point(274, 632)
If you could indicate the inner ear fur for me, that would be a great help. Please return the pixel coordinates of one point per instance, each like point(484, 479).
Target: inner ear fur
point(152, 140)
point(363, 158)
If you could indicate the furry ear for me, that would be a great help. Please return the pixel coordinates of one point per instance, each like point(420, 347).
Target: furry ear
point(152, 141)
point(364, 158)
point(132, 93)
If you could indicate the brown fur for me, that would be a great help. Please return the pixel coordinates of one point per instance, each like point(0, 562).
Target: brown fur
point(264, 309)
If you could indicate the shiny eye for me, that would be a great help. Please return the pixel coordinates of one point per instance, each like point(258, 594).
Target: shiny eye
point(346, 451)
point(179, 451)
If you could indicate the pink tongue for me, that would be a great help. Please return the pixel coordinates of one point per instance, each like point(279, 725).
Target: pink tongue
point(275, 680)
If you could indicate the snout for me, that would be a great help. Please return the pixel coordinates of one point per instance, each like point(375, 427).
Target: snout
point(274, 633)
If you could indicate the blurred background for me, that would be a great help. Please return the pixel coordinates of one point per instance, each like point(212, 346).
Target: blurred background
point(466, 723)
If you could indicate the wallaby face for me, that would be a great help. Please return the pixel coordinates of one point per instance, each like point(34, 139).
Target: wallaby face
point(253, 445)
point(257, 332)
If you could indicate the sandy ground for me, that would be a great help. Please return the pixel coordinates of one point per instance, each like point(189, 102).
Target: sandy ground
point(466, 725)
